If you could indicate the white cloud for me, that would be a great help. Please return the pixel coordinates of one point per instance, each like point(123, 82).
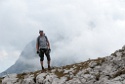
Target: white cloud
point(3, 54)
point(86, 28)
point(8, 58)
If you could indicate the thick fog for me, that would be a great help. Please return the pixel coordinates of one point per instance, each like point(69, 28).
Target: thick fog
point(77, 29)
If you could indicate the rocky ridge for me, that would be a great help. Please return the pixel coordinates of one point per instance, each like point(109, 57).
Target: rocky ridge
point(107, 70)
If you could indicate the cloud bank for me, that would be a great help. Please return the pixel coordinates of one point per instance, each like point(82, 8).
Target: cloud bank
point(76, 28)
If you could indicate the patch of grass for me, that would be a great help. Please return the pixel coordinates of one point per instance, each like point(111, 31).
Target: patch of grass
point(82, 65)
point(118, 73)
point(99, 61)
point(85, 65)
point(77, 69)
point(21, 76)
point(67, 66)
point(60, 74)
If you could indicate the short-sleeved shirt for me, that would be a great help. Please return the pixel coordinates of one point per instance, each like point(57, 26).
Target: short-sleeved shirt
point(43, 44)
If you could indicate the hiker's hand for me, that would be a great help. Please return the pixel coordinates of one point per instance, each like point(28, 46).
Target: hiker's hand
point(37, 52)
point(48, 47)
point(49, 50)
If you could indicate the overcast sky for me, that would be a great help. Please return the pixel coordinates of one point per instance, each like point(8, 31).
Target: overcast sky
point(85, 28)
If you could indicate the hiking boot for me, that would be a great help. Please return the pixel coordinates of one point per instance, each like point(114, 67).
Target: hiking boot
point(43, 70)
point(49, 68)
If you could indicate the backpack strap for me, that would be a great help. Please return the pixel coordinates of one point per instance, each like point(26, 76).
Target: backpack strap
point(46, 38)
point(38, 40)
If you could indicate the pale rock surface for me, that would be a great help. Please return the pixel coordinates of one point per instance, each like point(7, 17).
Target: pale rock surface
point(107, 70)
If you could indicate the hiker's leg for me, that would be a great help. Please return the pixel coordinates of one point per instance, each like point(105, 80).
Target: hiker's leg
point(48, 63)
point(41, 63)
point(41, 58)
point(48, 58)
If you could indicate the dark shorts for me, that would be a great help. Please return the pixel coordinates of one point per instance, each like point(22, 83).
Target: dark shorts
point(46, 52)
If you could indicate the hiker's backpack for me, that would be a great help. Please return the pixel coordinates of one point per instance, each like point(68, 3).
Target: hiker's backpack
point(38, 40)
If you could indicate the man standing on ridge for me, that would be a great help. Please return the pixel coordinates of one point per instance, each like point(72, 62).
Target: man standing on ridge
point(43, 47)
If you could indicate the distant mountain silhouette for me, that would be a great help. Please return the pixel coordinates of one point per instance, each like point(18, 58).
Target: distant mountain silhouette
point(27, 60)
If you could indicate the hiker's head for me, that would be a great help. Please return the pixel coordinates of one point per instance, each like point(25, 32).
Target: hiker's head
point(41, 32)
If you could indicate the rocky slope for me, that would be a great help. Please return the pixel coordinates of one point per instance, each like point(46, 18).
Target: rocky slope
point(107, 70)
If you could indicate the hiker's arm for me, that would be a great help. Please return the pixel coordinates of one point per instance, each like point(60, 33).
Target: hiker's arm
point(37, 47)
point(48, 44)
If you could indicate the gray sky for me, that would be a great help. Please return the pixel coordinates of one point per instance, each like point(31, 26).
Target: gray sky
point(85, 28)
